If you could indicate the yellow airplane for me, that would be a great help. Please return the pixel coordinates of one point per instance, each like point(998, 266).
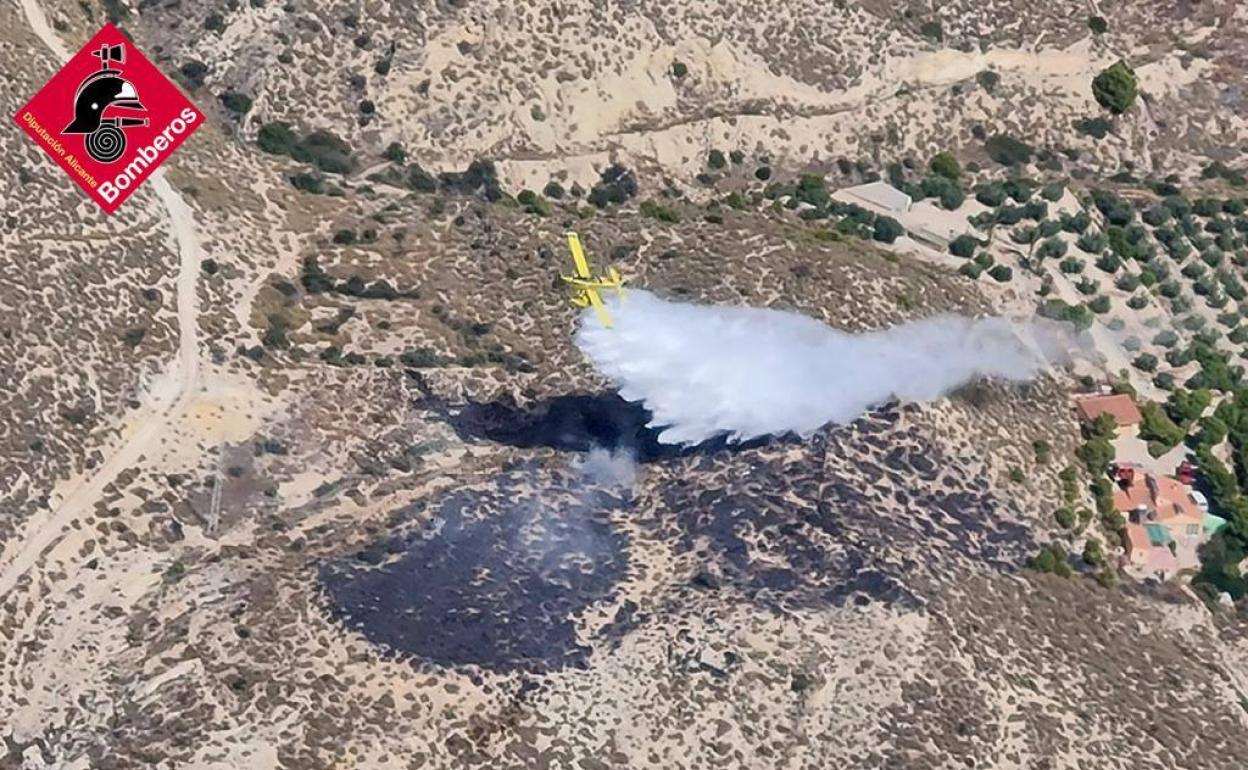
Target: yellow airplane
point(586, 286)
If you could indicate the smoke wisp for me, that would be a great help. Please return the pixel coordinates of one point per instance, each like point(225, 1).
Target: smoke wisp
point(742, 372)
point(608, 468)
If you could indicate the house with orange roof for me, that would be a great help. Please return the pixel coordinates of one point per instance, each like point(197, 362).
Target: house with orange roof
point(1120, 406)
point(1148, 498)
point(1165, 522)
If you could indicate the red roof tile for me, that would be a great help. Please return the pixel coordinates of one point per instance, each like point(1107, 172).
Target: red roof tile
point(1120, 405)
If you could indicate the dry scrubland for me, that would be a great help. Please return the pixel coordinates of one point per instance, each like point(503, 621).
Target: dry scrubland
point(406, 567)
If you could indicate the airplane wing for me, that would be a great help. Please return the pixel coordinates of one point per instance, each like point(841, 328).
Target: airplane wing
point(595, 299)
point(578, 255)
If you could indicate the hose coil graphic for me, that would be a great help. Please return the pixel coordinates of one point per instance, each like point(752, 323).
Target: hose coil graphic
point(106, 143)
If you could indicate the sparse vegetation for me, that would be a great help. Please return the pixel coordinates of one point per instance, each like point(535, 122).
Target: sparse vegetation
point(616, 184)
point(236, 102)
point(1007, 150)
point(658, 211)
point(322, 149)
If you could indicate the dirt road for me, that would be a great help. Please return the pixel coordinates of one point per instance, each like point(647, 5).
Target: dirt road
point(170, 394)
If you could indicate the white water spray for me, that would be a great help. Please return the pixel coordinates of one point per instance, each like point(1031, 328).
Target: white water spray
point(745, 372)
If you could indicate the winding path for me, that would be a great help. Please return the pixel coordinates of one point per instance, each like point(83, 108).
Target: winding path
point(170, 394)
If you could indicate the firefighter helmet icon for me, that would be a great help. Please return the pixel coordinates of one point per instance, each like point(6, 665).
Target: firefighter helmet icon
point(98, 94)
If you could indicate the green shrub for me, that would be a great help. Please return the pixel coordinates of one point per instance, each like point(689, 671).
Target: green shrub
point(812, 189)
point(1212, 431)
point(1025, 235)
point(1092, 242)
point(1156, 216)
point(1052, 558)
point(1185, 406)
point(1020, 190)
point(1078, 315)
point(1098, 25)
point(679, 69)
point(276, 138)
point(616, 184)
point(420, 180)
point(1065, 518)
point(963, 246)
point(1128, 282)
point(192, 74)
point(1001, 273)
point(1007, 150)
point(1052, 192)
point(236, 102)
point(945, 164)
point(308, 182)
point(1100, 305)
point(1158, 428)
point(395, 153)
point(533, 203)
point(1049, 228)
point(326, 151)
point(1109, 262)
point(1052, 248)
point(1071, 266)
point(1097, 128)
point(988, 80)
point(1092, 553)
point(658, 211)
point(991, 195)
point(715, 159)
point(1116, 209)
point(1145, 362)
point(1076, 224)
point(1116, 88)
point(887, 229)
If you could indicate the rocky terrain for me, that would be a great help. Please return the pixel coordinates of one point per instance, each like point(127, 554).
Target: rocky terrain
point(300, 467)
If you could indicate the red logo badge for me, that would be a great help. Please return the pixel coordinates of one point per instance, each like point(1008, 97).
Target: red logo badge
point(109, 118)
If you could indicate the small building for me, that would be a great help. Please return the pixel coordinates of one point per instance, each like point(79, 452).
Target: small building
point(1120, 406)
point(880, 196)
point(1165, 523)
point(1163, 501)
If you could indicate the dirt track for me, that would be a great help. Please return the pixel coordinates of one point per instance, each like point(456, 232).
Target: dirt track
point(169, 394)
